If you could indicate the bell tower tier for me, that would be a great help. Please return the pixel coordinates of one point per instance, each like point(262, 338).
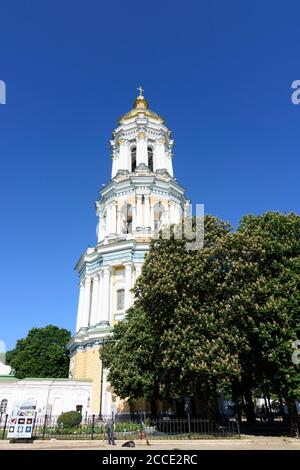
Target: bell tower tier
point(142, 197)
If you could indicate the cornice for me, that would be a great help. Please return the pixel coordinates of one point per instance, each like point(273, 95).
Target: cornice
point(88, 337)
point(120, 248)
point(129, 184)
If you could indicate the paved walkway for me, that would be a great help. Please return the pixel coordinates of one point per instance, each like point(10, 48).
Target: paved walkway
point(245, 443)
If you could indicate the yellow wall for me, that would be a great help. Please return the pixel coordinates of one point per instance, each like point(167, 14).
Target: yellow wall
point(87, 365)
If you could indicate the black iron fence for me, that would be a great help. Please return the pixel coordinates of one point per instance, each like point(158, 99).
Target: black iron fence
point(131, 427)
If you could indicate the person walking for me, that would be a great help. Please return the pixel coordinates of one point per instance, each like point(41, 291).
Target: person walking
point(110, 427)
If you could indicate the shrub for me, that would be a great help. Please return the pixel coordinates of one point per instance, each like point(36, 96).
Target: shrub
point(87, 429)
point(129, 426)
point(70, 419)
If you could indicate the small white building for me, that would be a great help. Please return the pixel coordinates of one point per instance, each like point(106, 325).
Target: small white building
point(53, 396)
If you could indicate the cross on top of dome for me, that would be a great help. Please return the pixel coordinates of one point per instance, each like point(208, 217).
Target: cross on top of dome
point(140, 102)
point(140, 90)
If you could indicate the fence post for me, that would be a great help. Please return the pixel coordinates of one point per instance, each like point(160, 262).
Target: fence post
point(5, 423)
point(93, 427)
point(44, 427)
point(189, 425)
point(238, 425)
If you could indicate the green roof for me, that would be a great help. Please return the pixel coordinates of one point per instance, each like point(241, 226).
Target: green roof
point(56, 379)
point(8, 378)
point(12, 378)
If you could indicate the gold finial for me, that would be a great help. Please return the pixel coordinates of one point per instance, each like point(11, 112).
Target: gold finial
point(140, 102)
point(140, 90)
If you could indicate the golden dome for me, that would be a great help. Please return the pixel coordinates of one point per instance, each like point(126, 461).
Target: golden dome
point(140, 106)
point(140, 103)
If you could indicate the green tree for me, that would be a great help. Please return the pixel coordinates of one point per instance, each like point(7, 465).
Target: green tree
point(275, 311)
point(43, 353)
point(223, 317)
point(174, 342)
point(132, 358)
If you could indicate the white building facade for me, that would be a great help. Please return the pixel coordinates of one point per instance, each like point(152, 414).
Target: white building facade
point(141, 197)
point(52, 396)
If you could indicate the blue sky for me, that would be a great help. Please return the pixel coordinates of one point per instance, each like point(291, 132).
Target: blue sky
point(220, 72)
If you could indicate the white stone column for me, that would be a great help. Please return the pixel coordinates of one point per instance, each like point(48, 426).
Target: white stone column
point(102, 226)
point(105, 314)
point(169, 164)
point(94, 307)
point(139, 212)
point(114, 166)
point(100, 317)
point(178, 213)
point(138, 270)
point(80, 307)
point(106, 395)
point(108, 220)
point(112, 219)
point(167, 214)
point(156, 156)
point(87, 301)
point(172, 212)
point(99, 297)
point(119, 221)
point(128, 286)
point(123, 155)
point(133, 218)
point(161, 163)
point(147, 223)
point(141, 149)
point(152, 218)
point(99, 230)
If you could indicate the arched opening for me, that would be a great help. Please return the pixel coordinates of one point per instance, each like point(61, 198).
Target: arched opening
point(150, 158)
point(127, 218)
point(158, 216)
point(120, 299)
point(133, 159)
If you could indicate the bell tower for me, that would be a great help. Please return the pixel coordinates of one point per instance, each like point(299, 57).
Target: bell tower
point(141, 197)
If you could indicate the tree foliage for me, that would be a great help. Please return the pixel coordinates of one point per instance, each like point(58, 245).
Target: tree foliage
point(220, 318)
point(174, 342)
point(273, 323)
point(43, 353)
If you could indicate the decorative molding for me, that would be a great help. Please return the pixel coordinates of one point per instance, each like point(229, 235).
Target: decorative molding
point(141, 135)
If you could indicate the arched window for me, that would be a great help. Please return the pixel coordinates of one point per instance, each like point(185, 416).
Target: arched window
point(126, 213)
point(3, 406)
point(129, 218)
point(150, 158)
point(79, 409)
point(120, 299)
point(133, 159)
